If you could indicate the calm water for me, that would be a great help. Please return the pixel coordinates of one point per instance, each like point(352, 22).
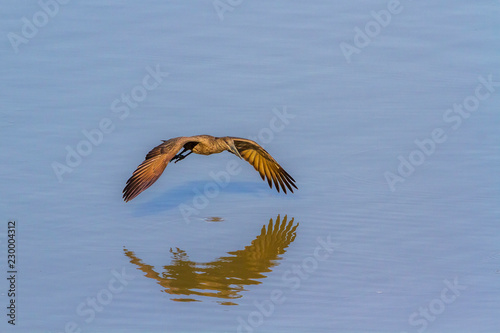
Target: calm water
point(388, 121)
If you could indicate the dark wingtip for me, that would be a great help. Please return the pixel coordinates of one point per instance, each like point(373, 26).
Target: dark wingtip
point(126, 197)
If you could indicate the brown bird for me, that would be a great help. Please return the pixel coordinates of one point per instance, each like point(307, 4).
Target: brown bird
point(159, 157)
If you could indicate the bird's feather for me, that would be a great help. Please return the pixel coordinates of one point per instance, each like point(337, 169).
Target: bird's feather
point(151, 169)
point(265, 164)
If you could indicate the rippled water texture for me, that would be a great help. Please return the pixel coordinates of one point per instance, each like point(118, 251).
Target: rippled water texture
point(223, 278)
point(384, 112)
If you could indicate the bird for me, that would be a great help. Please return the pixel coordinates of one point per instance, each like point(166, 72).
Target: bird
point(160, 156)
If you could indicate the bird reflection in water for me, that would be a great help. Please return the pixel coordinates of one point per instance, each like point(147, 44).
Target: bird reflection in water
point(227, 276)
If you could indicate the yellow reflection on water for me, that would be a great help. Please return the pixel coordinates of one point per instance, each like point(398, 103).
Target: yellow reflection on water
point(226, 276)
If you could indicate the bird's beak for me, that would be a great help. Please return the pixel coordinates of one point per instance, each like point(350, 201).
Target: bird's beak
point(232, 149)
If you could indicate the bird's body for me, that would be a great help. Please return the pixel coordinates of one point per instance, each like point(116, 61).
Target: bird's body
point(207, 145)
point(159, 157)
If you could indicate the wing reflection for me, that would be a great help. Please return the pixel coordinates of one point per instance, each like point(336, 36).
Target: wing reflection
point(227, 276)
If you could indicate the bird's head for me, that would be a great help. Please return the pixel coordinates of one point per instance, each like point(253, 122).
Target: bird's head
point(231, 147)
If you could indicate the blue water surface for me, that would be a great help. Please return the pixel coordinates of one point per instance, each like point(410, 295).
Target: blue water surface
point(384, 112)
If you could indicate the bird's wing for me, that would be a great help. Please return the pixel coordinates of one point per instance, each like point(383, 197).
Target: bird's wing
point(265, 164)
point(152, 167)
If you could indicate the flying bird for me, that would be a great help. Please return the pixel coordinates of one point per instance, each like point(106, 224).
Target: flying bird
point(159, 157)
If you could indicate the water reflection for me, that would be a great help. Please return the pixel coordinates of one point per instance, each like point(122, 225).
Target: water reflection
point(226, 276)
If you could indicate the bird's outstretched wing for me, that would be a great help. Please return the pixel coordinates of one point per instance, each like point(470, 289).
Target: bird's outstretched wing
point(152, 167)
point(265, 164)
